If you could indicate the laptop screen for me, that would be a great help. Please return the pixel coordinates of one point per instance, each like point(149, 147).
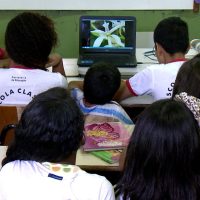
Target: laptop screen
point(107, 34)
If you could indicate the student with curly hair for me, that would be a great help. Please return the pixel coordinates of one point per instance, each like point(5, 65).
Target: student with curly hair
point(162, 160)
point(29, 40)
point(40, 163)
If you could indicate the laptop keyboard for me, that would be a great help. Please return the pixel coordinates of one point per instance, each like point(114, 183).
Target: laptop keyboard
point(119, 61)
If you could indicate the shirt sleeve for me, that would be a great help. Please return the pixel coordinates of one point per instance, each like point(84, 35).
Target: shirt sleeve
point(121, 114)
point(76, 94)
point(107, 191)
point(63, 81)
point(141, 83)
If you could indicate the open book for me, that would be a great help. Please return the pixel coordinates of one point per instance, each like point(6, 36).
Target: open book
point(108, 135)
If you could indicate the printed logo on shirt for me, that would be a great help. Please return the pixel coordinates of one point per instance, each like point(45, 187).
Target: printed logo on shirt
point(170, 90)
point(18, 78)
point(18, 91)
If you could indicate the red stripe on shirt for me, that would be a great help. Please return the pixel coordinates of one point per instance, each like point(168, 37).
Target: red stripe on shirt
point(130, 88)
point(178, 60)
point(20, 67)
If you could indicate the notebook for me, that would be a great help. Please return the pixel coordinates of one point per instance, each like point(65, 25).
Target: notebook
point(107, 135)
point(107, 39)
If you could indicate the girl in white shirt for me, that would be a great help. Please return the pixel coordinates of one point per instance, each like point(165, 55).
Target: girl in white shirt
point(40, 163)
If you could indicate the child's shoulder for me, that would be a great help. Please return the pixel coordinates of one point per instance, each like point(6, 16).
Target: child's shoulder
point(115, 105)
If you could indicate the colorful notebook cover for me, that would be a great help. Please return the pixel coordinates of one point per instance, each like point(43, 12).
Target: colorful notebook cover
point(110, 156)
point(109, 135)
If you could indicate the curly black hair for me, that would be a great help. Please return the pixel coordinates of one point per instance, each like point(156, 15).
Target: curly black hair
point(29, 39)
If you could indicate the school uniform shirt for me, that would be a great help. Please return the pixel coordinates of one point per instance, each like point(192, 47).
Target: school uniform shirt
point(100, 113)
point(156, 80)
point(20, 85)
point(22, 180)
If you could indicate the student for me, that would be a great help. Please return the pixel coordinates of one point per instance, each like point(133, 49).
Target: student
point(39, 164)
point(162, 160)
point(171, 44)
point(29, 40)
point(100, 84)
point(186, 87)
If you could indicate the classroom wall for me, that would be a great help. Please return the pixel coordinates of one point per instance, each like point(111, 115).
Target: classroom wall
point(66, 23)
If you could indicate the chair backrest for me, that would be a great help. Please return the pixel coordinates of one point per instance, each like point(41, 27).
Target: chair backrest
point(9, 116)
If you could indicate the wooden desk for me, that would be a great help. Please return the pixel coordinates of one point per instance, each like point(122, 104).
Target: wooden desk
point(90, 162)
point(85, 161)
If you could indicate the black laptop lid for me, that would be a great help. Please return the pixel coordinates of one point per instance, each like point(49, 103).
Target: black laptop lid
point(107, 35)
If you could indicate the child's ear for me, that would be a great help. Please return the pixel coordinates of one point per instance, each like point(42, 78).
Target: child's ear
point(160, 53)
point(159, 49)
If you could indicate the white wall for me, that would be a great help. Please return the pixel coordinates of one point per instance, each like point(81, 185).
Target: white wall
point(95, 4)
point(144, 40)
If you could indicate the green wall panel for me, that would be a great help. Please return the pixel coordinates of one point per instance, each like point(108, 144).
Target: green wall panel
point(66, 23)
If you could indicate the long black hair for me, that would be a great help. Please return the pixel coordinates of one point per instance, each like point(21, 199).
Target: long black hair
point(188, 78)
point(162, 161)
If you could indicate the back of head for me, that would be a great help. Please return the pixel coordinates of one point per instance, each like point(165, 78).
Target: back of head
point(50, 129)
point(29, 39)
point(163, 154)
point(172, 34)
point(188, 78)
point(101, 82)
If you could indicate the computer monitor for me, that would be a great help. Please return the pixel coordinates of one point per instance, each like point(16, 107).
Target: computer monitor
point(107, 34)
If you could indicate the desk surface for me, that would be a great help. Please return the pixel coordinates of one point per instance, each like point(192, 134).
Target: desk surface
point(85, 161)
point(72, 70)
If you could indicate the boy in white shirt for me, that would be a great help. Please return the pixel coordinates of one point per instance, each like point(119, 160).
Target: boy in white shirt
point(171, 44)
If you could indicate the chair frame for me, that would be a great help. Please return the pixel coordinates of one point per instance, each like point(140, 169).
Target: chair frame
point(9, 117)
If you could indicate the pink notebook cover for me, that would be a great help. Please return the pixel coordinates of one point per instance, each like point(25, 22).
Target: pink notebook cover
point(109, 135)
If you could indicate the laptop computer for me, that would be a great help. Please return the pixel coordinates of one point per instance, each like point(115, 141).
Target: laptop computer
point(109, 39)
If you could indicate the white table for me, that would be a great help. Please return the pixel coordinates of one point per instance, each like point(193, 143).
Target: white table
point(73, 71)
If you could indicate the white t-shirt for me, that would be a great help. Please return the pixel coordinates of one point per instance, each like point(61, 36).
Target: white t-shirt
point(19, 86)
point(22, 180)
point(156, 80)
